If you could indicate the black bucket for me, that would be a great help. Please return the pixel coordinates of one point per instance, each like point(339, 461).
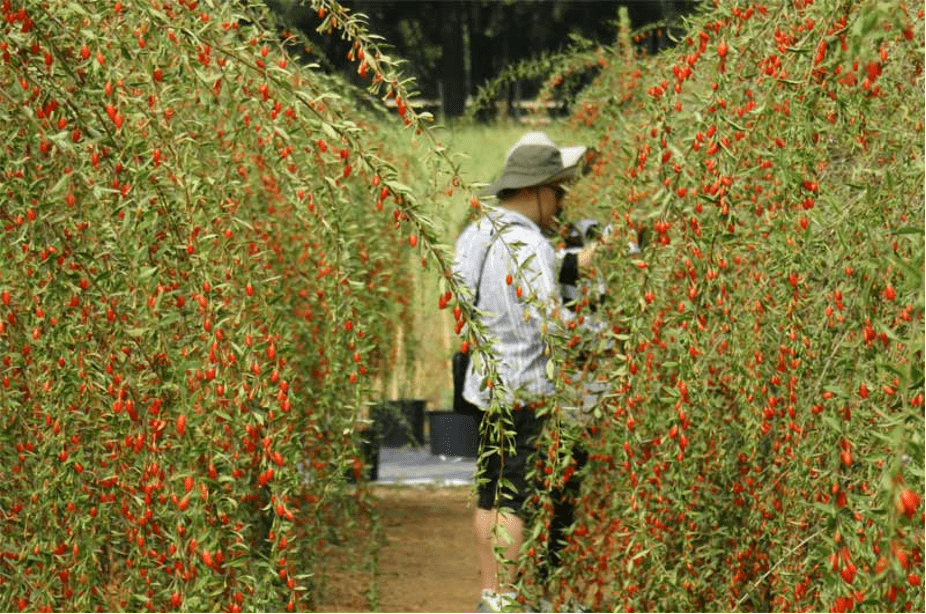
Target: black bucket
point(400, 422)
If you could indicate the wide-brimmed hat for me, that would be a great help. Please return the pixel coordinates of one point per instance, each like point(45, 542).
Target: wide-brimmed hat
point(536, 160)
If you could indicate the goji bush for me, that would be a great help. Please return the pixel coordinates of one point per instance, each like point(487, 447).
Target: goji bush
point(208, 246)
point(760, 442)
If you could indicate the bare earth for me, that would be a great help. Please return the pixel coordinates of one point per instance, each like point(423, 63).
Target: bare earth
point(428, 562)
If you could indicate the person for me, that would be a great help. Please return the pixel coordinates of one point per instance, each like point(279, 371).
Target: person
point(507, 260)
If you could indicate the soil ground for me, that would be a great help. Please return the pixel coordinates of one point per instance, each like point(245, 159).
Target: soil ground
point(428, 561)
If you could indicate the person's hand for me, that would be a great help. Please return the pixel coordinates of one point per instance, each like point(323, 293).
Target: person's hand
point(586, 257)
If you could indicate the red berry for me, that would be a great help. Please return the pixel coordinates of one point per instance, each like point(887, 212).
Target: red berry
point(848, 573)
point(908, 503)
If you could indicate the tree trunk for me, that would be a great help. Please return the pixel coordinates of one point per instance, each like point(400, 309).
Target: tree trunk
point(453, 65)
point(480, 46)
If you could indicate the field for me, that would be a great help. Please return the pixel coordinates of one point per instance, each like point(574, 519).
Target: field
point(219, 257)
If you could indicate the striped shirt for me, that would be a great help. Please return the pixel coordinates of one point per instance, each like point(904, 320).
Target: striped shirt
point(519, 299)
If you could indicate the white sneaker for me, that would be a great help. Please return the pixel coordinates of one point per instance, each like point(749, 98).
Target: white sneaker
point(493, 602)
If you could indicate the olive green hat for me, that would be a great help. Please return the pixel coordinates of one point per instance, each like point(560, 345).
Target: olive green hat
point(536, 160)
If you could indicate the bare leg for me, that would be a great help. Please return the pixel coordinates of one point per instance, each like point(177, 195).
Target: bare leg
point(494, 528)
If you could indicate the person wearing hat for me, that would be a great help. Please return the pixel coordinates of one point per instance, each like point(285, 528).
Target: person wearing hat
point(507, 260)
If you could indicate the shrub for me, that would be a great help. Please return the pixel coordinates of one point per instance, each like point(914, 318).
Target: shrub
point(201, 287)
point(761, 445)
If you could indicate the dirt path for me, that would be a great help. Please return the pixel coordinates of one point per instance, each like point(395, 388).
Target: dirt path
point(428, 563)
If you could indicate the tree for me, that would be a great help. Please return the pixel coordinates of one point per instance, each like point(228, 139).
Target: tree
point(471, 41)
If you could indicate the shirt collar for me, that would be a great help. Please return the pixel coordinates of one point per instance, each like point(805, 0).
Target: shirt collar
point(501, 216)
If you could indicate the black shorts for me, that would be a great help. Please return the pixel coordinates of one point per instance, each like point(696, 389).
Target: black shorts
point(509, 466)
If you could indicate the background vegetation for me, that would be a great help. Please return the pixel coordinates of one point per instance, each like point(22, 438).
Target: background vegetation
point(455, 47)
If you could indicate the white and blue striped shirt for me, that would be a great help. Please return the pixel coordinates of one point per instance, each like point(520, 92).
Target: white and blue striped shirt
point(512, 245)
